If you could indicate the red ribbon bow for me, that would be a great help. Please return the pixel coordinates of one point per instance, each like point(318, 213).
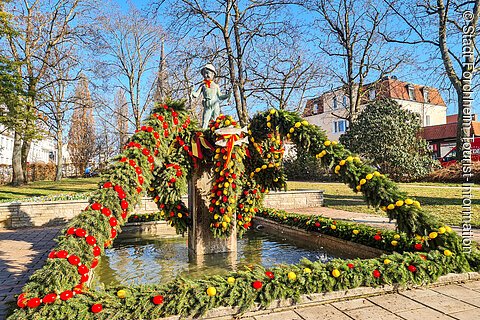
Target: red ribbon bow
point(230, 143)
point(199, 141)
point(207, 83)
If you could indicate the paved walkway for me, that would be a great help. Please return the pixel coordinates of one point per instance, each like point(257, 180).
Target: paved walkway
point(455, 301)
point(23, 251)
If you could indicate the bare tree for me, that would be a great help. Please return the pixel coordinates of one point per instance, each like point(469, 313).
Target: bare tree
point(81, 137)
point(238, 25)
point(350, 36)
point(284, 74)
point(127, 44)
point(56, 102)
point(439, 25)
point(41, 26)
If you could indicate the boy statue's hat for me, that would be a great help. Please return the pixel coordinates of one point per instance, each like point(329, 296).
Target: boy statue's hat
point(210, 67)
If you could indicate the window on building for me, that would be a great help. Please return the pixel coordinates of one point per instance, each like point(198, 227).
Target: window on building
point(345, 101)
point(427, 120)
point(425, 94)
point(372, 94)
point(335, 103)
point(340, 126)
point(411, 92)
point(318, 108)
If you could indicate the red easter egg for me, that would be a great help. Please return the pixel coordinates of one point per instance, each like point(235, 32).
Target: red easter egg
point(82, 269)
point(91, 240)
point(96, 308)
point(80, 233)
point(65, 295)
point(73, 259)
point(50, 298)
point(21, 301)
point(96, 206)
point(96, 251)
point(113, 221)
point(257, 285)
point(157, 300)
point(62, 254)
point(33, 303)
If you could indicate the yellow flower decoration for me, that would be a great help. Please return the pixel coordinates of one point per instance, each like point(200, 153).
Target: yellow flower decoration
point(122, 294)
point(211, 291)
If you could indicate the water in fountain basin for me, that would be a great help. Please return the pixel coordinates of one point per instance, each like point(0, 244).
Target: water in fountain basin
point(146, 260)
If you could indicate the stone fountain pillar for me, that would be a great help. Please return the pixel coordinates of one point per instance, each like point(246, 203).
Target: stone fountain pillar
point(200, 238)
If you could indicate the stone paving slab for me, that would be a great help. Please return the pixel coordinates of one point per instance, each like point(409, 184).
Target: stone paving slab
point(460, 293)
point(437, 301)
point(283, 315)
point(372, 313)
point(466, 315)
point(423, 314)
point(326, 312)
point(395, 303)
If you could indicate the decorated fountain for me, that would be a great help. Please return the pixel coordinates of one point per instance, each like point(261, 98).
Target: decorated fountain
point(226, 170)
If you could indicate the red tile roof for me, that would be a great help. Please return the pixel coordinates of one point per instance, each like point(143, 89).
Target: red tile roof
point(386, 88)
point(440, 132)
point(446, 131)
point(396, 89)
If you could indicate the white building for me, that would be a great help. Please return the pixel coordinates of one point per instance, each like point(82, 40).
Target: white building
point(327, 110)
point(40, 150)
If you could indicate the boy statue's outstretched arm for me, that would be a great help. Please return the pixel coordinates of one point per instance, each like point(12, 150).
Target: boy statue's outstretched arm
point(195, 94)
point(226, 96)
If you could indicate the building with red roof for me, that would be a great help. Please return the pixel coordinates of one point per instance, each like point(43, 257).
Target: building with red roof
point(329, 109)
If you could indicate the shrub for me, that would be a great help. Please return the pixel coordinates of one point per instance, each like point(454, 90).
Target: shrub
point(388, 136)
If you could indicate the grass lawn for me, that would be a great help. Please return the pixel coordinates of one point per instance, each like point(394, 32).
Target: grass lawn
point(443, 202)
point(47, 188)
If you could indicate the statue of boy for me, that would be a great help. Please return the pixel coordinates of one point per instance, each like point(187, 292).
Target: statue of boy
point(211, 95)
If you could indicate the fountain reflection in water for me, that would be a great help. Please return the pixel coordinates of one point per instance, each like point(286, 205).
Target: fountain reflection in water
point(147, 260)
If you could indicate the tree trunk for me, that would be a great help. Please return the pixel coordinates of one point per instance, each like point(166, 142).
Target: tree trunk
point(24, 156)
point(241, 81)
point(58, 174)
point(460, 131)
point(18, 178)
